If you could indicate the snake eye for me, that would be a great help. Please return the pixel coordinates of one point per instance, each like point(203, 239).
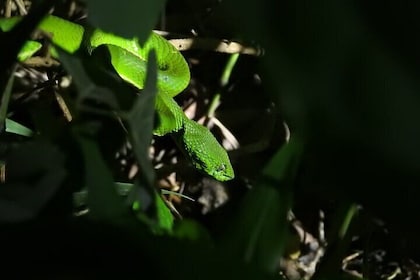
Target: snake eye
point(221, 168)
point(163, 67)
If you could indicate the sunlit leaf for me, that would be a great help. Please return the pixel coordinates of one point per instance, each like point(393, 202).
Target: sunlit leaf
point(17, 128)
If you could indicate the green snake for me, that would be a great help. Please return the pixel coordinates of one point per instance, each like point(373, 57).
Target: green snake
point(129, 60)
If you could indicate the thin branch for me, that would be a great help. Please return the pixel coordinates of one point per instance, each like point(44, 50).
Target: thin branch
point(217, 45)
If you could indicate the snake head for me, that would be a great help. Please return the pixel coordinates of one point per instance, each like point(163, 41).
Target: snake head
point(205, 152)
point(210, 158)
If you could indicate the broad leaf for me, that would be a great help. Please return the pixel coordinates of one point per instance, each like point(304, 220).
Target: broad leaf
point(102, 15)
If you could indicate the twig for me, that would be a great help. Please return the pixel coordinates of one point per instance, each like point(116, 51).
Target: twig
point(63, 106)
point(8, 8)
point(217, 45)
point(21, 7)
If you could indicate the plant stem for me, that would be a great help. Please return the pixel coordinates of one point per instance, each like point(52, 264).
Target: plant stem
point(224, 80)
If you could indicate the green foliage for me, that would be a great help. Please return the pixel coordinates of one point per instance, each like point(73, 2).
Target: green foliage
point(17, 128)
point(265, 209)
point(68, 164)
point(102, 15)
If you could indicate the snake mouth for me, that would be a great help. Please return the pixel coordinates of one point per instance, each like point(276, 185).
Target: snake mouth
point(224, 173)
point(224, 177)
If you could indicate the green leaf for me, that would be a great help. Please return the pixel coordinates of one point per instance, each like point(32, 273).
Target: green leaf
point(95, 81)
point(17, 128)
point(87, 88)
point(30, 182)
point(165, 217)
point(140, 120)
point(6, 98)
point(103, 201)
point(264, 212)
point(28, 50)
point(139, 17)
point(164, 220)
point(191, 230)
point(13, 41)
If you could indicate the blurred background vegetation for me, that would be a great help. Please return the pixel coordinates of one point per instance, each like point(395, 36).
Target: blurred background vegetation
point(316, 103)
